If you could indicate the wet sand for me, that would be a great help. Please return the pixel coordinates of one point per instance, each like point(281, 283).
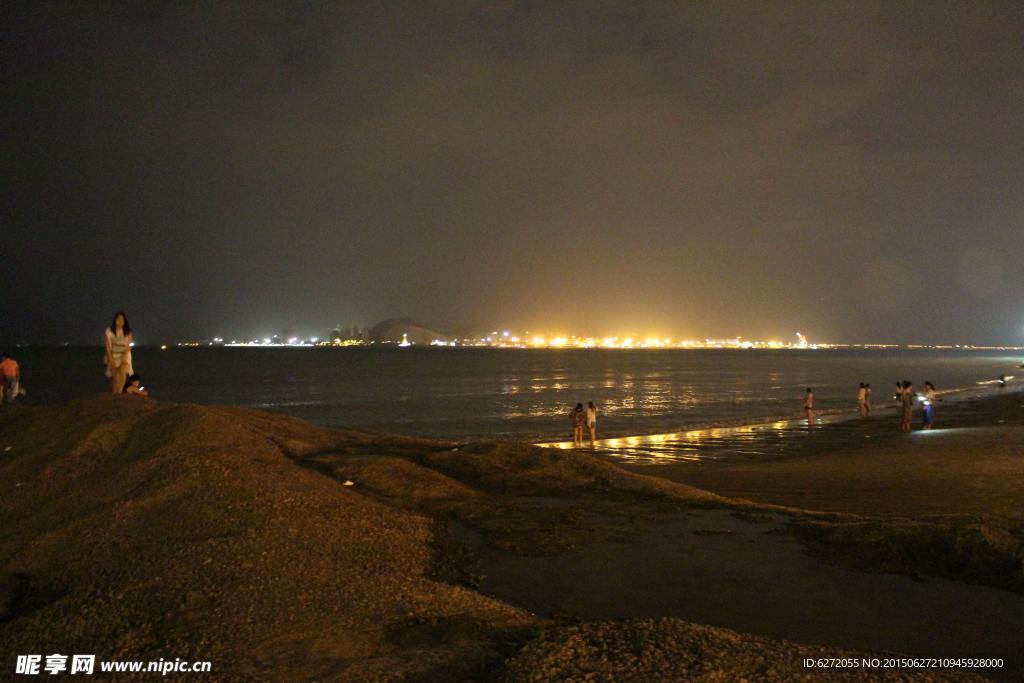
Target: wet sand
point(713, 568)
point(972, 462)
point(968, 470)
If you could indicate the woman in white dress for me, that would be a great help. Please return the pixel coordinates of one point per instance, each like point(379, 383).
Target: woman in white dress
point(118, 340)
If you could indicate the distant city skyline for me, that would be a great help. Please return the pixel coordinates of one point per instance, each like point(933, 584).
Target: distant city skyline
point(293, 335)
point(354, 335)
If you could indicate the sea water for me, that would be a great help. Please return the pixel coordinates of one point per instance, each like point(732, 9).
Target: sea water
point(473, 393)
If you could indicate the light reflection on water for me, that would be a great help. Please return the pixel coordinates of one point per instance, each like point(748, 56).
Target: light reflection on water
point(748, 441)
point(751, 441)
point(470, 394)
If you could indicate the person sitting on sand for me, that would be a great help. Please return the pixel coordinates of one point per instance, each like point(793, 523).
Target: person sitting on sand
point(809, 405)
point(907, 398)
point(10, 375)
point(592, 421)
point(133, 385)
point(579, 418)
point(862, 397)
point(928, 405)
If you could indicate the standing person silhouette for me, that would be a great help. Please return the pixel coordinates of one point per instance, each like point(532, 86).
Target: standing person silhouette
point(579, 417)
point(809, 405)
point(592, 421)
point(927, 405)
point(118, 340)
point(867, 400)
point(908, 404)
point(862, 400)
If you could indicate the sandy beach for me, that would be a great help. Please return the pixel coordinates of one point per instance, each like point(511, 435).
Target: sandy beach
point(301, 301)
point(716, 569)
point(277, 550)
point(971, 463)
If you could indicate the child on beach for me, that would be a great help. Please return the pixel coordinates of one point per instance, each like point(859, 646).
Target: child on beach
point(579, 418)
point(809, 406)
point(10, 375)
point(133, 385)
point(862, 400)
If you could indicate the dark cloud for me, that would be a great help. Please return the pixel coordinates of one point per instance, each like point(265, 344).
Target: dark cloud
point(698, 169)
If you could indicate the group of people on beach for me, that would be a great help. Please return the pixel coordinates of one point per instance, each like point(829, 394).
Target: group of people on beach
point(584, 417)
point(117, 359)
point(904, 397)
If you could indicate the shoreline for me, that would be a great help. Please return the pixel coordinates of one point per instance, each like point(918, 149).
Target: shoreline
point(626, 441)
point(968, 464)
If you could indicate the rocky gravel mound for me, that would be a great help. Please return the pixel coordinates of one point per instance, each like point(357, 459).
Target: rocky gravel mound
point(136, 530)
point(674, 651)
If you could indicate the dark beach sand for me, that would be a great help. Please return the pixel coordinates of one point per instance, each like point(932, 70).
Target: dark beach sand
point(138, 530)
point(955, 471)
point(716, 568)
point(712, 568)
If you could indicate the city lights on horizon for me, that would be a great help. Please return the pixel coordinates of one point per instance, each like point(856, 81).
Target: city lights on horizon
point(510, 340)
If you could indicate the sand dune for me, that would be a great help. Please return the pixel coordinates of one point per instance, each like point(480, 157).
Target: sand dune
point(144, 530)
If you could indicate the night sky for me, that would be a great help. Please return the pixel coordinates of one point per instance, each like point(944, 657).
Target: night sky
point(850, 170)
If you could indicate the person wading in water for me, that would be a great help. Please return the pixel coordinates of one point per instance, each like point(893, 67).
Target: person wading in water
point(579, 418)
